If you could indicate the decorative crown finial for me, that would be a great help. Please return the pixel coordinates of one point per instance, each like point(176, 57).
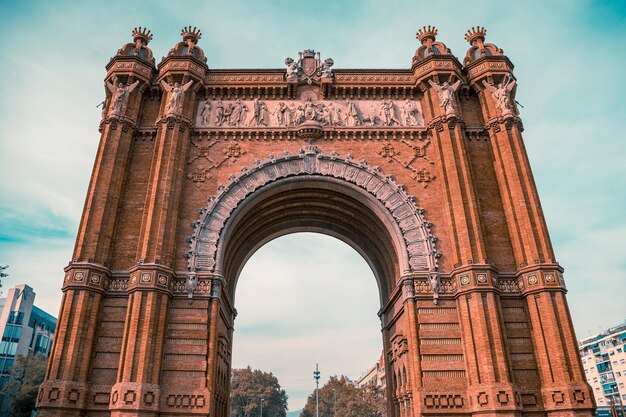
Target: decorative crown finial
point(192, 34)
point(426, 33)
point(142, 34)
point(475, 33)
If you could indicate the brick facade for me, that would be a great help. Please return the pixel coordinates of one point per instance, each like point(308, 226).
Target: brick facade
point(422, 170)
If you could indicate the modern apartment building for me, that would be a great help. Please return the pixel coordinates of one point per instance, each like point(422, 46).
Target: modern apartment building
point(604, 360)
point(25, 328)
point(374, 376)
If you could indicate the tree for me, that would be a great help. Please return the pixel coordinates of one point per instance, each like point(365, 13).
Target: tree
point(27, 374)
point(340, 397)
point(248, 387)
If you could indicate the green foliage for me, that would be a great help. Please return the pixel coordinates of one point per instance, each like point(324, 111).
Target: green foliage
point(248, 387)
point(26, 376)
point(340, 397)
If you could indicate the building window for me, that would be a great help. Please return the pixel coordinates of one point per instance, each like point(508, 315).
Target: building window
point(41, 346)
point(16, 317)
point(10, 339)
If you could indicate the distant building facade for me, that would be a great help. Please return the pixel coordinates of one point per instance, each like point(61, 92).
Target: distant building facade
point(375, 376)
point(25, 329)
point(604, 361)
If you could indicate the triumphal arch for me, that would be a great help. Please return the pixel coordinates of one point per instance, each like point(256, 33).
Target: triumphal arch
point(422, 170)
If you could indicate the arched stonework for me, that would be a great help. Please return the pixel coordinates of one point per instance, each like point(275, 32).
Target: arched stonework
point(418, 252)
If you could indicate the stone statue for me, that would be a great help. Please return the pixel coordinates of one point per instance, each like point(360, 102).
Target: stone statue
point(176, 95)
point(446, 92)
point(293, 69)
point(502, 94)
point(387, 111)
point(325, 69)
point(353, 118)
point(205, 114)
point(120, 94)
point(219, 113)
point(410, 113)
point(435, 284)
point(190, 285)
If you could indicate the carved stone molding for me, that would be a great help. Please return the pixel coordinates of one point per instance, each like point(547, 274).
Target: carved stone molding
point(419, 252)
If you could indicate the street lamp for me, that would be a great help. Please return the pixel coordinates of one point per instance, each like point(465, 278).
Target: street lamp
point(334, 402)
point(261, 407)
point(316, 376)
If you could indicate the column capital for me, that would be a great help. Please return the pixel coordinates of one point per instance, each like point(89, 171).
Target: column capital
point(86, 276)
point(151, 277)
point(536, 278)
point(475, 277)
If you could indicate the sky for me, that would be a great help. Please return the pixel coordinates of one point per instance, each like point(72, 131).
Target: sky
point(569, 61)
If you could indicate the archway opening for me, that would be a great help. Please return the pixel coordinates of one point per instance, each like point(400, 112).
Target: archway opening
point(302, 299)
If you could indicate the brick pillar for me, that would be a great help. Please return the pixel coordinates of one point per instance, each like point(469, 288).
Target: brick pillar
point(491, 386)
point(414, 362)
point(137, 391)
point(564, 389)
point(214, 319)
point(65, 390)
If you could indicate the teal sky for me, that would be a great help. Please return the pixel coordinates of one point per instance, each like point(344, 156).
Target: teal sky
point(569, 60)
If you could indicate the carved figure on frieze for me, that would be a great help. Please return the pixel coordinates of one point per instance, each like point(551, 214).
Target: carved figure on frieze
point(237, 113)
point(176, 96)
point(259, 113)
point(299, 116)
point(120, 94)
point(353, 116)
point(219, 113)
point(281, 114)
point(502, 95)
point(410, 114)
point(372, 118)
point(291, 114)
point(387, 111)
point(445, 92)
point(310, 110)
point(205, 113)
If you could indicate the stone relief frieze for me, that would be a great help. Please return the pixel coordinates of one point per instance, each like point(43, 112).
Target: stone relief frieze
point(419, 253)
point(292, 113)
